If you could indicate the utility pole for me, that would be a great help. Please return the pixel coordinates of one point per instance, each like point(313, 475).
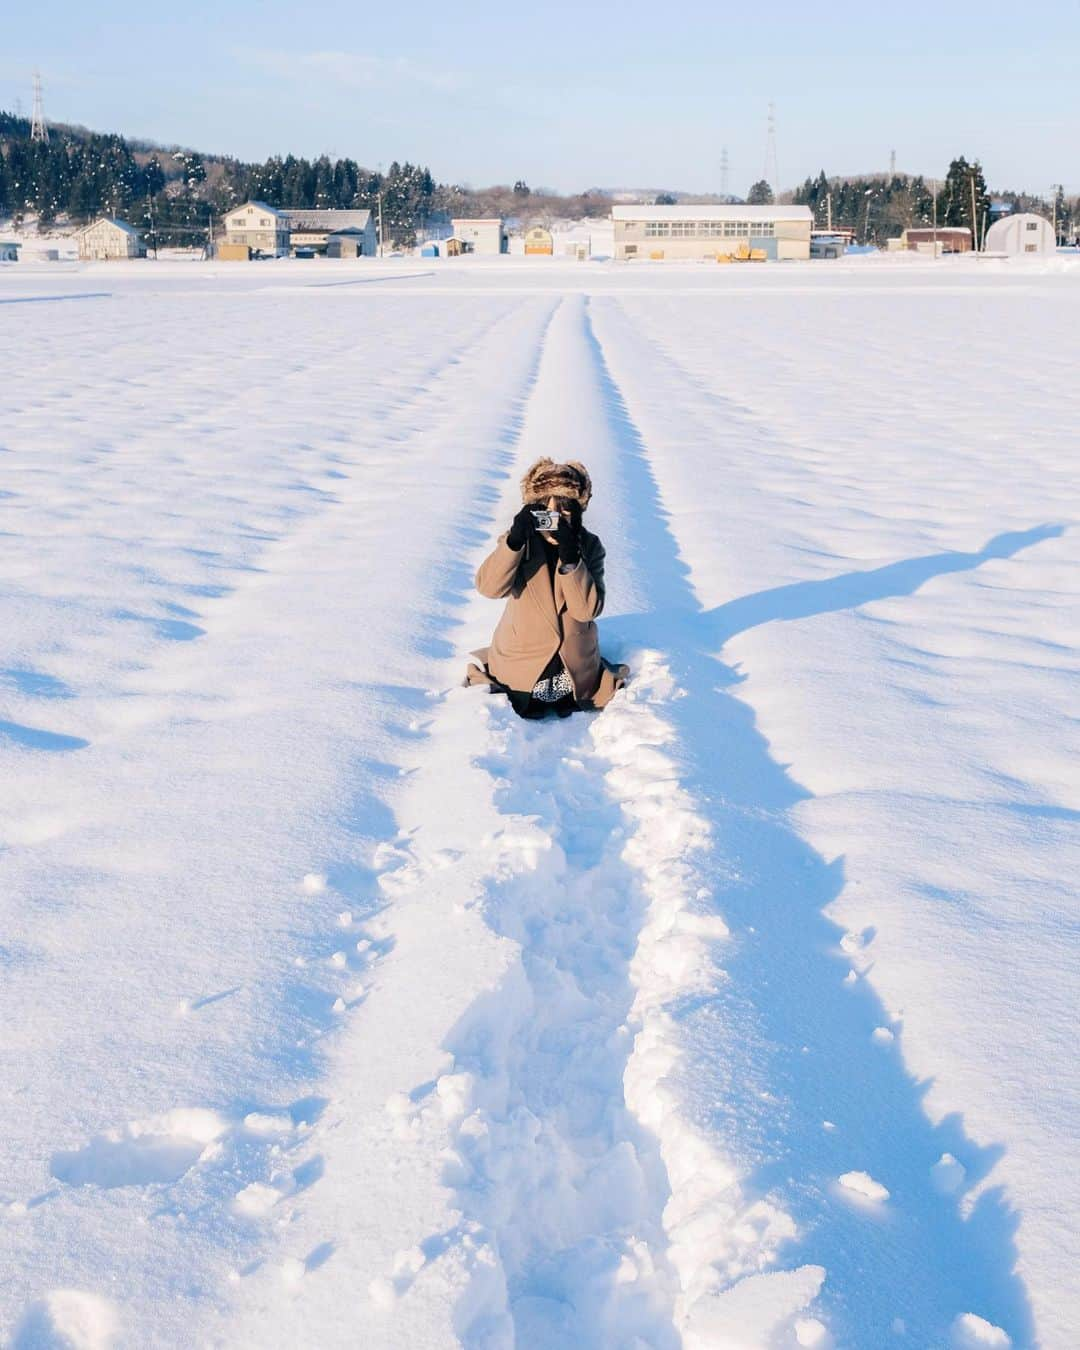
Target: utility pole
point(209, 233)
point(866, 223)
point(892, 165)
point(150, 213)
point(380, 252)
point(38, 130)
point(974, 221)
point(933, 188)
point(828, 211)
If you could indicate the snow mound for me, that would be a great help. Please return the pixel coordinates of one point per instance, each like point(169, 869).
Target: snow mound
point(68, 1319)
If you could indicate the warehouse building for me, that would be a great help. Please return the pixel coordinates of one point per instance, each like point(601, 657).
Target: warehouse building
point(487, 236)
point(946, 238)
point(108, 238)
point(696, 232)
point(313, 229)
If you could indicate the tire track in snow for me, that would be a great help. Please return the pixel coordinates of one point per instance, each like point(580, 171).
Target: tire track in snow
point(383, 1188)
point(783, 1066)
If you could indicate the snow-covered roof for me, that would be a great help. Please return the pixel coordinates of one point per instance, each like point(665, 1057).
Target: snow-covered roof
point(259, 206)
point(110, 220)
point(301, 219)
point(707, 211)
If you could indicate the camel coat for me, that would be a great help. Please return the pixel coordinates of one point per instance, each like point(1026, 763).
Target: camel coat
point(546, 614)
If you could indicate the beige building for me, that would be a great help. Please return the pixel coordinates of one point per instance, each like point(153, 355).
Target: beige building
point(109, 238)
point(260, 227)
point(487, 236)
point(696, 232)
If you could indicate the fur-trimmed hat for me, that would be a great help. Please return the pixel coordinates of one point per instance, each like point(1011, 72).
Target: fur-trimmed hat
point(546, 479)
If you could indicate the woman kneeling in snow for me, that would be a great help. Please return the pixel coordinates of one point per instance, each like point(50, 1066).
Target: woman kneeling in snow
point(545, 654)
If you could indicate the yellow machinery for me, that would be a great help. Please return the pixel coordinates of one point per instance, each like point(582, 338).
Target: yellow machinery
point(744, 253)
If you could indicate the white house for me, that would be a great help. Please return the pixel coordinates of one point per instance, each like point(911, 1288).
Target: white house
point(109, 238)
point(1022, 233)
point(486, 235)
point(689, 231)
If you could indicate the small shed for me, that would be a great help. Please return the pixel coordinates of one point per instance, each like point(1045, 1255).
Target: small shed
point(429, 251)
point(455, 248)
point(1020, 234)
point(227, 252)
point(538, 240)
point(347, 243)
point(9, 250)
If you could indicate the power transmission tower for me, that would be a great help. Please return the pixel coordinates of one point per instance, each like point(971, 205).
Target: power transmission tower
point(892, 164)
point(38, 130)
point(724, 168)
point(772, 172)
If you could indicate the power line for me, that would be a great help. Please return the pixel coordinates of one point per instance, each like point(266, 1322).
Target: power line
point(772, 172)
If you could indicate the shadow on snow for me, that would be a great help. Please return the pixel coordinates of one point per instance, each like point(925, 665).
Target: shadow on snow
point(784, 1044)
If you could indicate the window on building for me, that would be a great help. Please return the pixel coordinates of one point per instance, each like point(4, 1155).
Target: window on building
point(657, 229)
point(1031, 248)
point(682, 229)
point(1031, 224)
point(631, 248)
point(263, 220)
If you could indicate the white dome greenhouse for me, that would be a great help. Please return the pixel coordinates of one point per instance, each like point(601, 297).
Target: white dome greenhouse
point(1023, 233)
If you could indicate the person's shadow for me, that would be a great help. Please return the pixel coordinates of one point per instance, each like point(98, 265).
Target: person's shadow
point(711, 629)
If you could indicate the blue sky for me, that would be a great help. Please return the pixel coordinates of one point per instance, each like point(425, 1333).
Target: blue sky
point(572, 95)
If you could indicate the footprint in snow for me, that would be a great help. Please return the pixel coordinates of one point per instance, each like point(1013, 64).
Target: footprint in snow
point(158, 1150)
point(948, 1175)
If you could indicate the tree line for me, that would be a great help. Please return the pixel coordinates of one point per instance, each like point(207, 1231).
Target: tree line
point(174, 195)
point(881, 207)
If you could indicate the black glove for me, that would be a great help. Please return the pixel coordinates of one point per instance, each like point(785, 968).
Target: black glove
point(569, 537)
point(523, 528)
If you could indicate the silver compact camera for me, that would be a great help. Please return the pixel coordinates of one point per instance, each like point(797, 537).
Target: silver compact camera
point(547, 522)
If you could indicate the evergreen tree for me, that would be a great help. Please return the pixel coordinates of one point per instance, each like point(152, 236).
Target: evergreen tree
point(761, 194)
point(957, 197)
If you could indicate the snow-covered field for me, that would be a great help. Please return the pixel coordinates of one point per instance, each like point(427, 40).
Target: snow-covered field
point(341, 1008)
